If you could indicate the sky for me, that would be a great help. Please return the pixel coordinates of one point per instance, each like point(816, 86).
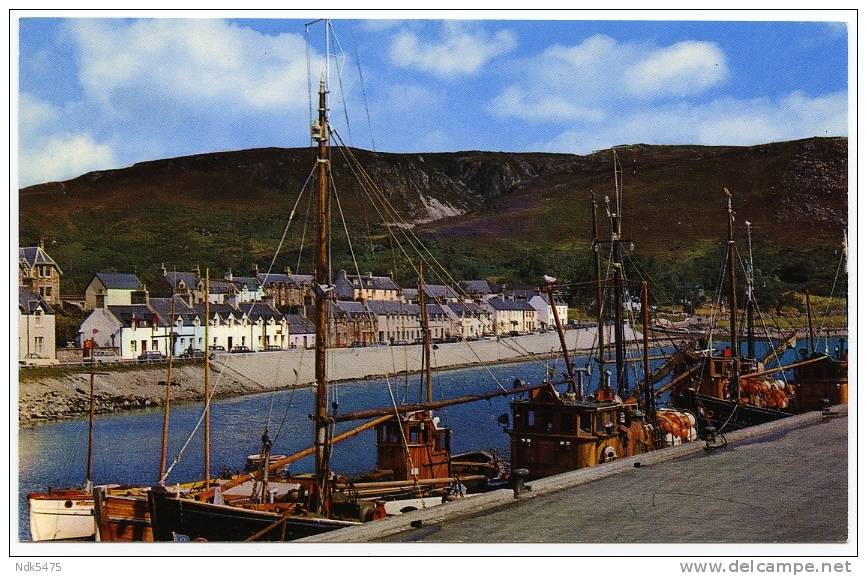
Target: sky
point(105, 93)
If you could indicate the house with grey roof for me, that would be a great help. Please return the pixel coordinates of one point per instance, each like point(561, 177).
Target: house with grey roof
point(478, 290)
point(113, 288)
point(302, 332)
point(365, 287)
point(36, 328)
point(354, 324)
point(510, 315)
point(39, 273)
point(469, 320)
point(289, 291)
point(130, 328)
point(440, 293)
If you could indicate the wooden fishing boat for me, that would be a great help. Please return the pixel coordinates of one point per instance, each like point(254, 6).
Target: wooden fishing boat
point(730, 390)
point(67, 514)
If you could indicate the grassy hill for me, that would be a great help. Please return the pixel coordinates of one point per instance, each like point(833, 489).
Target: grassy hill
point(506, 216)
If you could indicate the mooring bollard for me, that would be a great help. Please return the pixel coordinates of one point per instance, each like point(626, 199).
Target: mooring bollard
point(519, 476)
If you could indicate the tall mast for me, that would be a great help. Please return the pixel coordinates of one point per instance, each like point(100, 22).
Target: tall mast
point(573, 387)
point(600, 291)
point(649, 402)
point(207, 386)
point(171, 350)
point(617, 266)
point(751, 338)
point(320, 133)
point(88, 477)
point(425, 324)
point(733, 300)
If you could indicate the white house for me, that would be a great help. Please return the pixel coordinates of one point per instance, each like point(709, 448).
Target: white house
point(511, 315)
point(267, 325)
point(545, 314)
point(35, 328)
point(469, 320)
point(111, 289)
point(365, 287)
point(228, 327)
point(302, 332)
point(396, 321)
point(132, 329)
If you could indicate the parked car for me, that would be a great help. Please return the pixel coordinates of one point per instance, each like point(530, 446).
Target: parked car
point(272, 348)
point(106, 356)
point(152, 356)
point(217, 348)
point(241, 350)
point(514, 333)
point(192, 353)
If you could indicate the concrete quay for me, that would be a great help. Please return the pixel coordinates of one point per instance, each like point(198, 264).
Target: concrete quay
point(785, 481)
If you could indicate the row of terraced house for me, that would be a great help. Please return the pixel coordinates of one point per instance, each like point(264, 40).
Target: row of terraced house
point(268, 311)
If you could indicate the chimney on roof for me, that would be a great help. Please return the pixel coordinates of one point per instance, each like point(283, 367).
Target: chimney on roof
point(228, 275)
point(197, 270)
point(42, 242)
point(163, 268)
point(288, 271)
point(255, 269)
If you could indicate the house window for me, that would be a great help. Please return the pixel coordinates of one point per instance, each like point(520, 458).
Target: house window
point(48, 291)
point(132, 345)
point(38, 315)
point(39, 343)
point(155, 344)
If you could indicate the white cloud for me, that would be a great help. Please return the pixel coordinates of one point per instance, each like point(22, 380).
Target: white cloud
point(723, 121)
point(684, 68)
point(459, 50)
point(585, 81)
point(62, 157)
point(190, 62)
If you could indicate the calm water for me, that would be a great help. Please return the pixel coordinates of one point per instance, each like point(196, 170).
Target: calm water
point(127, 445)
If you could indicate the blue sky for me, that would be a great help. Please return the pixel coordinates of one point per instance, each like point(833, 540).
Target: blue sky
point(106, 93)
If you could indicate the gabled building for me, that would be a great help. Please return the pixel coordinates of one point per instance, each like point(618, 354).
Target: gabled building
point(289, 291)
point(113, 289)
point(440, 293)
point(354, 324)
point(469, 320)
point(228, 327)
point(302, 332)
point(267, 325)
point(544, 312)
point(189, 285)
point(396, 321)
point(365, 287)
point(477, 290)
point(39, 273)
point(36, 328)
point(131, 328)
point(187, 332)
point(511, 315)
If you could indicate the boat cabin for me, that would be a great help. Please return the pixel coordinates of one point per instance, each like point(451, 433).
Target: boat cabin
point(414, 447)
point(553, 432)
point(826, 379)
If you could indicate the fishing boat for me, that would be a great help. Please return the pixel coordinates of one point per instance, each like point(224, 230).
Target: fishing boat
point(554, 431)
point(731, 390)
point(67, 513)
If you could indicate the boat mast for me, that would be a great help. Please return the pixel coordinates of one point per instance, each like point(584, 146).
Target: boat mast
point(88, 477)
point(320, 133)
point(207, 440)
point(600, 291)
point(425, 324)
point(165, 439)
point(573, 387)
point(649, 402)
point(733, 300)
point(617, 267)
point(751, 338)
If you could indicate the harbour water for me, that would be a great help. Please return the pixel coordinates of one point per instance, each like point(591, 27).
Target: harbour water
point(127, 445)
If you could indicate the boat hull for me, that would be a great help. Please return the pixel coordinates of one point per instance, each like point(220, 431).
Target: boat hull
point(122, 518)
point(62, 515)
point(174, 518)
point(725, 415)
